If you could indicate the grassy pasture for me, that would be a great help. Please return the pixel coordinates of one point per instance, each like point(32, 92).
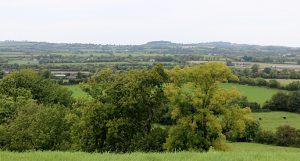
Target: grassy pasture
point(240, 152)
point(22, 62)
point(253, 93)
point(271, 120)
point(77, 91)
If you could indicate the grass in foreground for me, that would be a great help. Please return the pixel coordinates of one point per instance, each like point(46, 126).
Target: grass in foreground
point(241, 152)
point(253, 93)
point(271, 120)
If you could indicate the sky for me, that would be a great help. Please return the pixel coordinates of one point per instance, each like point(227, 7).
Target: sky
point(262, 22)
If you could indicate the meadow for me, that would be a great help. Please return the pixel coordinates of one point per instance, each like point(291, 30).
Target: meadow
point(253, 93)
point(77, 91)
point(271, 120)
point(238, 152)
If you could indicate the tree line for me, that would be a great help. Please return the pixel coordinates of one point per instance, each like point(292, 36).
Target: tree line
point(153, 109)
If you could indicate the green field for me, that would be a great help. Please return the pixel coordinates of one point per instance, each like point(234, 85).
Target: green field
point(271, 120)
point(77, 91)
point(22, 62)
point(253, 93)
point(240, 152)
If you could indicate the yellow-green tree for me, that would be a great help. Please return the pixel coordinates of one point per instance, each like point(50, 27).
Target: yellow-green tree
point(199, 106)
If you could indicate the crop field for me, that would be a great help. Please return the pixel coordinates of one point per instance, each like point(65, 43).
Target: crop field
point(253, 93)
point(271, 120)
point(239, 152)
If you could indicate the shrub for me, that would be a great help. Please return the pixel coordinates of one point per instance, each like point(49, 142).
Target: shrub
point(152, 142)
point(261, 82)
point(265, 137)
point(294, 86)
point(39, 128)
point(177, 139)
point(274, 83)
point(278, 102)
point(251, 130)
point(293, 103)
point(286, 135)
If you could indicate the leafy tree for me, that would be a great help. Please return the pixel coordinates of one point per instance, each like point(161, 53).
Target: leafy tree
point(293, 103)
point(234, 122)
point(261, 82)
point(278, 102)
point(27, 83)
point(7, 109)
point(197, 102)
point(127, 105)
point(294, 86)
point(38, 128)
point(267, 70)
point(273, 83)
point(45, 73)
point(255, 68)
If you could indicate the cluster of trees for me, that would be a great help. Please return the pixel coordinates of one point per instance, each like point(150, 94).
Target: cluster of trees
point(272, 83)
point(267, 73)
point(38, 114)
point(284, 102)
point(45, 59)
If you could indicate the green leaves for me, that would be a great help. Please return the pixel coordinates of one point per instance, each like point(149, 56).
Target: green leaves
point(27, 83)
point(197, 104)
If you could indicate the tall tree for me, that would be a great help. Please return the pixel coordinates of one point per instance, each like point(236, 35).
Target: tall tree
point(197, 104)
point(132, 100)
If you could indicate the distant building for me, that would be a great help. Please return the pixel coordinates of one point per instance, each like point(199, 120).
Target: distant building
point(152, 60)
point(59, 75)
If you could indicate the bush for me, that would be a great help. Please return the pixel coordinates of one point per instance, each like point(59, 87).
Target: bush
point(294, 86)
point(278, 102)
point(261, 82)
point(251, 130)
point(152, 142)
point(274, 83)
point(286, 136)
point(177, 139)
point(38, 128)
point(293, 103)
point(265, 137)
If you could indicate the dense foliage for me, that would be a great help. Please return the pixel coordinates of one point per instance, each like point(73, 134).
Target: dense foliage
point(38, 114)
point(284, 102)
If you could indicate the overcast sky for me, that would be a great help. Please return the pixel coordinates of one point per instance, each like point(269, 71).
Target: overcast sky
point(266, 22)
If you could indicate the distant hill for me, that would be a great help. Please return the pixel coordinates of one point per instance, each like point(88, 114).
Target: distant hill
point(167, 47)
